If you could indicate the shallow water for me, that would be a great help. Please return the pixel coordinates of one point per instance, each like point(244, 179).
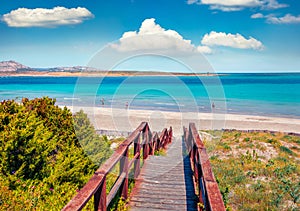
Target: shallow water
point(256, 94)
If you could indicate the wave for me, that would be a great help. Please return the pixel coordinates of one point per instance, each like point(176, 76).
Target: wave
point(72, 98)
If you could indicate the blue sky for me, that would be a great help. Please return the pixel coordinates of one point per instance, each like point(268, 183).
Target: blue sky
point(234, 36)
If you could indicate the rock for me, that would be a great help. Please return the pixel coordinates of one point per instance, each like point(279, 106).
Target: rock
point(12, 66)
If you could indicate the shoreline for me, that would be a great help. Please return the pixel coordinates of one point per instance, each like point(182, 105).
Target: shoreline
point(126, 120)
point(102, 74)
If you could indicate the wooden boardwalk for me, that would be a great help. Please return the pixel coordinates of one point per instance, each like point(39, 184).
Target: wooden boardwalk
point(165, 182)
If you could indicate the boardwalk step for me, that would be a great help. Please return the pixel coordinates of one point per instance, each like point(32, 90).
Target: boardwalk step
point(159, 169)
point(138, 206)
point(164, 186)
point(165, 183)
point(170, 196)
point(156, 200)
point(167, 191)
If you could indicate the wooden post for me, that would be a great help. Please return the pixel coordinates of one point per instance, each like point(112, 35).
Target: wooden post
point(170, 135)
point(137, 162)
point(145, 144)
point(165, 139)
point(124, 168)
point(201, 190)
point(191, 148)
point(152, 145)
point(100, 197)
point(196, 163)
point(158, 143)
point(150, 142)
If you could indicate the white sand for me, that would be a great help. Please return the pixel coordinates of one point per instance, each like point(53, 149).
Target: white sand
point(127, 120)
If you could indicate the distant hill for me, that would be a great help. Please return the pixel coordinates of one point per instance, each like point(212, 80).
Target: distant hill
point(12, 66)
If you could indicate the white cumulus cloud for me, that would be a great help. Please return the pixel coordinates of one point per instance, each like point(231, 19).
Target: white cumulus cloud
point(236, 5)
point(272, 19)
point(225, 8)
point(273, 4)
point(257, 15)
point(204, 49)
point(151, 36)
point(192, 1)
point(231, 40)
point(287, 19)
point(41, 17)
point(233, 3)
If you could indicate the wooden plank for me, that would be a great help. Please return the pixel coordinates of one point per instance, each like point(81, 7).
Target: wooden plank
point(195, 136)
point(163, 188)
point(138, 208)
point(163, 185)
point(119, 152)
point(214, 196)
point(209, 191)
point(137, 161)
point(163, 182)
point(168, 193)
point(115, 188)
point(162, 206)
point(83, 196)
point(92, 186)
point(133, 160)
point(206, 169)
point(124, 169)
point(100, 197)
point(166, 179)
point(169, 196)
point(163, 200)
point(97, 185)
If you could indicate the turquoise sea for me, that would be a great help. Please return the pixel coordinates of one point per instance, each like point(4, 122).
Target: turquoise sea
point(257, 94)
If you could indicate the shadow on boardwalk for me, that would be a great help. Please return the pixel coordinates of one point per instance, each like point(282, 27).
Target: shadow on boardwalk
point(165, 182)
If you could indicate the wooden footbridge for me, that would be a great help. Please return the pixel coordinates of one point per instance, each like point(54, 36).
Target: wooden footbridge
point(180, 180)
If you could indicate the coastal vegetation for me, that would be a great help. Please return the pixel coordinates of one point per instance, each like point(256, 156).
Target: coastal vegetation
point(47, 154)
point(256, 170)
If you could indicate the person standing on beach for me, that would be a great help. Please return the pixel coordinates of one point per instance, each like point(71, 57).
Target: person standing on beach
point(102, 101)
point(126, 105)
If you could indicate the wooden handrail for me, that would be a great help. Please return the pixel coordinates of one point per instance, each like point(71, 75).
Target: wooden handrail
point(209, 194)
point(96, 186)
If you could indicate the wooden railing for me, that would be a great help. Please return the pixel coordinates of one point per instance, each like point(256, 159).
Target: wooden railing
point(205, 183)
point(145, 144)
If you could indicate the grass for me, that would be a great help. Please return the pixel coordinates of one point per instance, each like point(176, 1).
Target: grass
point(161, 152)
point(286, 150)
point(257, 170)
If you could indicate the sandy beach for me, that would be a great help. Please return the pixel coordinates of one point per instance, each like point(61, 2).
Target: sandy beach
point(115, 119)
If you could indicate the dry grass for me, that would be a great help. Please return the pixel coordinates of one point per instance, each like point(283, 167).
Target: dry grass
point(257, 170)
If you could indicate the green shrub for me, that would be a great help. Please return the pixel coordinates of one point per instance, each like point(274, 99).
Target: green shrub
point(247, 139)
point(42, 163)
